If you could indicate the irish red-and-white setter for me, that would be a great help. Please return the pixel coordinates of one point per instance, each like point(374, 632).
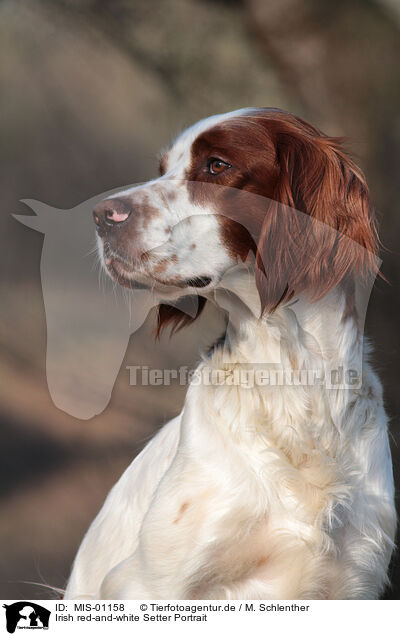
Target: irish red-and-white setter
point(280, 487)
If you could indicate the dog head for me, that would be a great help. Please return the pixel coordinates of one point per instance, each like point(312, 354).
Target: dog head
point(259, 186)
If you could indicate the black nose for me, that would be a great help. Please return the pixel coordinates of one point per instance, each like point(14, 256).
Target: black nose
point(112, 212)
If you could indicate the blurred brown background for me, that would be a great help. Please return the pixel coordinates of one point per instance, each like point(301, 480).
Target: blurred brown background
point(90, 91)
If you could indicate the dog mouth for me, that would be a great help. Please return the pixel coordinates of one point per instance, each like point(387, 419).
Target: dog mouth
point(122, 275)
point(198, 281)
point(127, 277)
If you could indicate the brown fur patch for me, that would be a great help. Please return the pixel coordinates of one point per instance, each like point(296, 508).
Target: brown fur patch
point(181, 511)
point(261, 561)
point(171, 196)
point(147, 213)
point(162, 166)
point(161, 266)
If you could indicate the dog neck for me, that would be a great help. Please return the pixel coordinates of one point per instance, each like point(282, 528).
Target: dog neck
point(299, 334)
point(302, 362)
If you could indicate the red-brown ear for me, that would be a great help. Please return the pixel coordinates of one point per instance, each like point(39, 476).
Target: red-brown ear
point(172, 316)
point(320, 229)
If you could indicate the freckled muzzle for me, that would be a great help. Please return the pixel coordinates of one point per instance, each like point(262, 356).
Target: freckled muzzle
point(147, 238)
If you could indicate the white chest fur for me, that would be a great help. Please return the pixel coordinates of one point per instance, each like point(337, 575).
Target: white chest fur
point(268, 491)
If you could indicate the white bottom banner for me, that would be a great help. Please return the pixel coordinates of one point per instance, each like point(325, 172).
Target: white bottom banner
point(169, 617)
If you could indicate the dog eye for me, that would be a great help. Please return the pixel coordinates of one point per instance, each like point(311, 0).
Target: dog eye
point(216, 166)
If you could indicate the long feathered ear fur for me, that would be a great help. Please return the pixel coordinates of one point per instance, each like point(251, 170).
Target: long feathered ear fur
point(168, 315)
point(320, 228)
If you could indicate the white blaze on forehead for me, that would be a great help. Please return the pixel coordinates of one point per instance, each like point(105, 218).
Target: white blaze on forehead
point(180, 152)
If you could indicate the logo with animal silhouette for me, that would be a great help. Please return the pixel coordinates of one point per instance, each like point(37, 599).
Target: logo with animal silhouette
point(26, 615)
